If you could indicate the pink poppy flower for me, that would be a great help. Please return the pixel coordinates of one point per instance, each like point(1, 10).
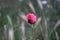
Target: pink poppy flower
point(31, 18)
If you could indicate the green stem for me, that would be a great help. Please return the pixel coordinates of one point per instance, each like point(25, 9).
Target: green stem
point(32, 32)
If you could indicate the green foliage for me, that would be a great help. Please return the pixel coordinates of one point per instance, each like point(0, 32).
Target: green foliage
point(43, 28)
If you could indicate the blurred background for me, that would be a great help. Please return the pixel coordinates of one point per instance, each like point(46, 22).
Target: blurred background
point(13, 25)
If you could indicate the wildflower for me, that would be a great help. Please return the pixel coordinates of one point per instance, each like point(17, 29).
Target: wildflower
point(31, 18)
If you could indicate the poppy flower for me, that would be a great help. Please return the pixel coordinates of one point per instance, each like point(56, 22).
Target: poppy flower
point(31, 18)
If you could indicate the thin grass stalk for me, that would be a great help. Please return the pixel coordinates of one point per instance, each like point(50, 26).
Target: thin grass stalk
point(44, 22)
point(39, 21)
point(42, 31)
point(5, 33)
point(46, 30)
point(23, 31)
point(31, 6)
point(10, 31)
point(57, 37)
point(11, 34)
point(55, 26)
